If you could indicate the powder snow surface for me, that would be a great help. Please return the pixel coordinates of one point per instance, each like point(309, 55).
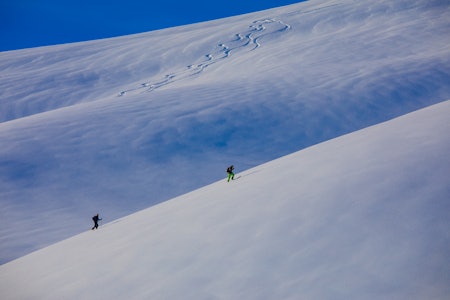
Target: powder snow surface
point(118, 125)
point(363, 216)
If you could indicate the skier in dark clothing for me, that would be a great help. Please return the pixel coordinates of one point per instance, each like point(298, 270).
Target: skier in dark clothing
point(230, 173)
point(95, 218)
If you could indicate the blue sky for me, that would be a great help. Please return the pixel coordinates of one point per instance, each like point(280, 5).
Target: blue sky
point(33, 23)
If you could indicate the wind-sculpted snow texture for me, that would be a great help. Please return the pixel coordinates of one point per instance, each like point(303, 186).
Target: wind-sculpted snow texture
point(248, 40)
point(363, 216)
point(117, 125)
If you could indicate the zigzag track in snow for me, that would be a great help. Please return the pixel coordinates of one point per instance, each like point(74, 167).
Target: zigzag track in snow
point(247, 40)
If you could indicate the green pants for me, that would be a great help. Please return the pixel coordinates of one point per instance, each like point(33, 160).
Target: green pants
point(230, 176)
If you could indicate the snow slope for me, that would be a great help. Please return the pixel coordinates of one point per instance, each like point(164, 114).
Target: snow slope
point(117, 125)
point(362, 216)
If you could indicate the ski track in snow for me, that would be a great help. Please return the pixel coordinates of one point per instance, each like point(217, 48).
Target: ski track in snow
point(249, 39)
point(76, 147)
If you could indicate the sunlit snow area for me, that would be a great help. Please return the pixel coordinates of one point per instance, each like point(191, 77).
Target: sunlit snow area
point(335, 115)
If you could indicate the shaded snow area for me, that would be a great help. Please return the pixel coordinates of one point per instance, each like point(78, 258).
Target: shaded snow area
point(362, 216)
point(118, 125)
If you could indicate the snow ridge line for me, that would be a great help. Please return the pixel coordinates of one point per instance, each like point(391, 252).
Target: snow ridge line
point(250, 38)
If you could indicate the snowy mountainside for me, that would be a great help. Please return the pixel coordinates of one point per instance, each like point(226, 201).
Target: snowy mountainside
point(118, 125)
point(362, 216)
